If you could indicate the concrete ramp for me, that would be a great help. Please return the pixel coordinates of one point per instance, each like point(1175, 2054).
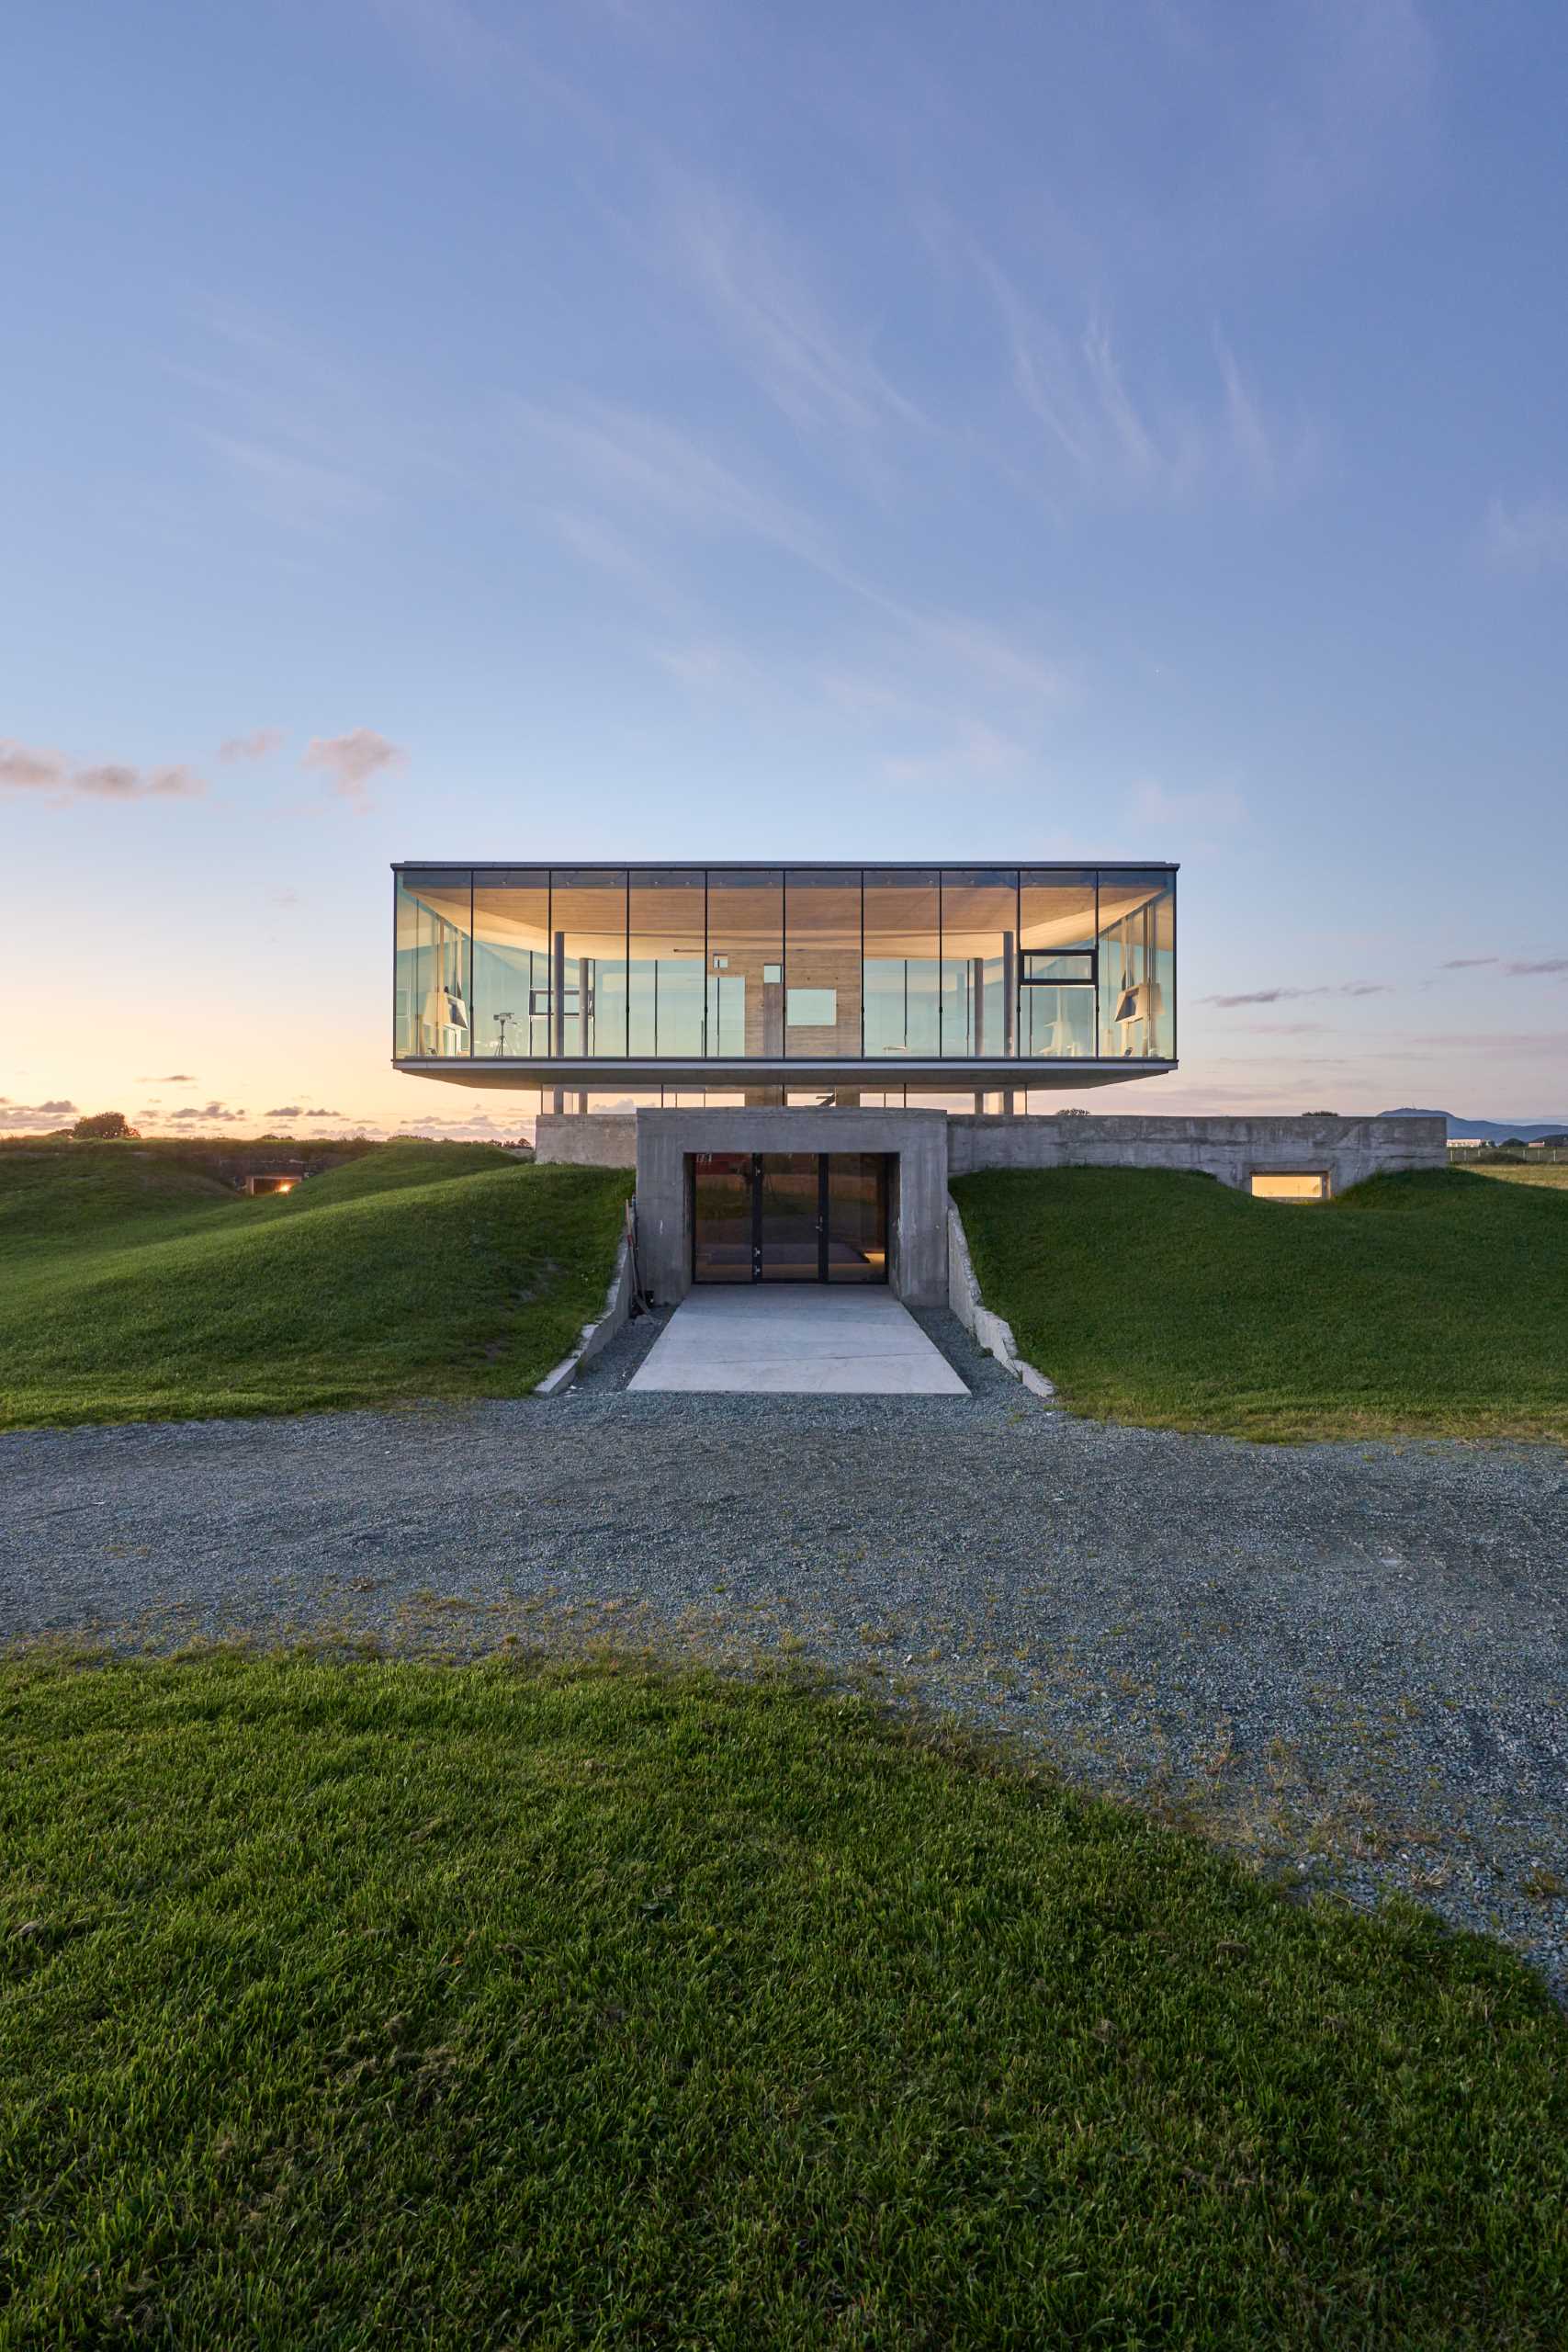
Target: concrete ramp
point(795, 1339)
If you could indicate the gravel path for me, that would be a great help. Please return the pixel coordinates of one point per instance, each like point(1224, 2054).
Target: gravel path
point(1349, 1662)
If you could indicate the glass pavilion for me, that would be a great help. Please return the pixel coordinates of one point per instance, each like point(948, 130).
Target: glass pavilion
point(882, 979)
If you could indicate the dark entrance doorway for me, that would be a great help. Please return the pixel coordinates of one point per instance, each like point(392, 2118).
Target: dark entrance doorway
point(789, 1217)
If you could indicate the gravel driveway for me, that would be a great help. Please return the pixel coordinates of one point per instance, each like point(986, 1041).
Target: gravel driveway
point(1350, 1662)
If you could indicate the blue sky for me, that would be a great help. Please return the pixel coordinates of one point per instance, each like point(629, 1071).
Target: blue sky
point(643, 428)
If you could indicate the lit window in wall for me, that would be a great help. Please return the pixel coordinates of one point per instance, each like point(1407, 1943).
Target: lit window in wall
point(1274, 1184)
point(665, 970)
point(588, 961)
point(1056, 962)
point(512, 963)
point(1137, 956)
point(979, 963)
point(902, 963)
point(822, 965)
point(745, 961)
point(433, 984)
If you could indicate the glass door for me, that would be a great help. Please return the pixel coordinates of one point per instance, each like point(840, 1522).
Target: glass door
point(790, 1216)
point(721, 1217)
point(856, 1221)
point(802, 1217)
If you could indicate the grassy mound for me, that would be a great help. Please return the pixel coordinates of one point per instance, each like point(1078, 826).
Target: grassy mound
point(132, 1287)
point(1434, 1305)
point(353, 2004)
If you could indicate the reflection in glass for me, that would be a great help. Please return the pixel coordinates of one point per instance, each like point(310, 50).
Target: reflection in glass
point(745, 952)
point(1056, 1005)
point(512, 962)
point(822, 965)
point(857, 1217)
point(902, 963)
point(788, 1216)
point(1137, 954)
point(665, 966)
point(979, 963)
point(721, 1217)
point(433, 988)
point(588, 961)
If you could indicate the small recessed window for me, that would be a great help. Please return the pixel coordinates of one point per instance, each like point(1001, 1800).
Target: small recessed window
point(1276, 1185)
point(771, 975)
point(812, 1008)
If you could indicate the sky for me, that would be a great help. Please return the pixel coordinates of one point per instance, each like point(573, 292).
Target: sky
point(454, 429)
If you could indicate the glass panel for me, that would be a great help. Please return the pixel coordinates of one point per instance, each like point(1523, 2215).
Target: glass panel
point(857, 1217)
point(822, 970)
point(512, 962)
point(902, 963)
point(1057, 1024)
point(432, 983)
point(721, 1217)
point(1056, 905)
point(588, 955)
point(1137, 964)
point(665, 973)
point(1275, 1186)
point(979, 962)
point(745, 940)
point(789, 1217)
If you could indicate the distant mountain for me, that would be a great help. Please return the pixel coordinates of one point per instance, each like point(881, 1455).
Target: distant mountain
point(1487, 1130)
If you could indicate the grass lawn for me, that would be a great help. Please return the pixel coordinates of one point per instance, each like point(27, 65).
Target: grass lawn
point(352, 2004)
point(1435, 1305)
point(1553, 1173)
point(133, 1288)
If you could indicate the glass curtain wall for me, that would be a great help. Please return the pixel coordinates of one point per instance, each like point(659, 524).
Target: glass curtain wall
point(1049, 964)
point(902, 963)
point(822, 966)
point(588, 961)
point(665, 952)
point(745, 965)
point(432, 964)
point(1137, 960)
point(979, 963)
point(1056, 934)
point(512, 963)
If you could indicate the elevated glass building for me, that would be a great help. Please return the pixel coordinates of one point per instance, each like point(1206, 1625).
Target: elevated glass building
point(746, 979)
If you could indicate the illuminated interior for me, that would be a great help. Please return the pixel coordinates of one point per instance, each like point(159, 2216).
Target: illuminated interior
point(1271, 1184)
point(885, 970)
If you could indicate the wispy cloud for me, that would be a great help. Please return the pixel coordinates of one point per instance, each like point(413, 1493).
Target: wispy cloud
point(1555, 965)
point(817, 370)
point(1289, 995)
point(351, 760)
point(255, 746)
point(1529, 536)
point(212, 1113)
point(1466, 963)
point(24, 768)
point(618, 453)
point(299, 1111)
point(1106, 440)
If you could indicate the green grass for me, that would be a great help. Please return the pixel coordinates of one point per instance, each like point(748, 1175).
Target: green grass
point(1553, 1173)
point(1430, 1305)
point(350, 2004)
point(132, 1287)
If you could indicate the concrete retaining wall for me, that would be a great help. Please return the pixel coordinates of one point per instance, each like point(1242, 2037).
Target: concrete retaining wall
point(586, 1139)
point(993, 1333)
point(1345, 1150)
point(614, 1312)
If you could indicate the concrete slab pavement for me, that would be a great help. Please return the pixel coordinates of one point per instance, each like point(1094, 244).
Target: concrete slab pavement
point(796, 1339)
